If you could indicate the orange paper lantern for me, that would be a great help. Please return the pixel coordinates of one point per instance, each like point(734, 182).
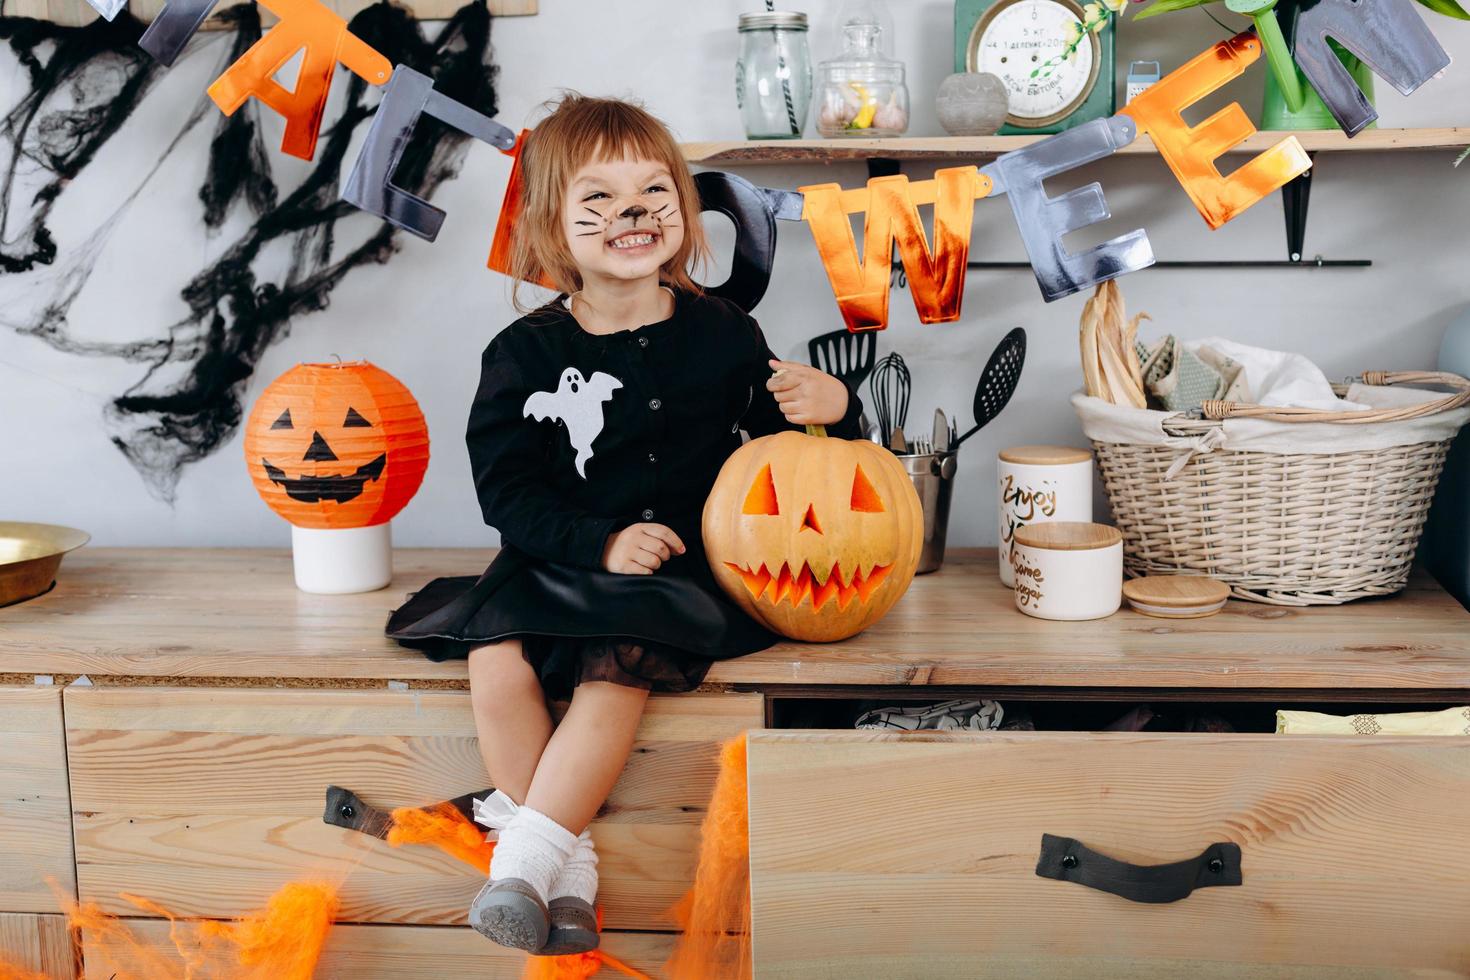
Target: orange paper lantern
point(336, 445)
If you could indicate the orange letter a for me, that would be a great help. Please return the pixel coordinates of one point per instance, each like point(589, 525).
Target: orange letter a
point(937, 279)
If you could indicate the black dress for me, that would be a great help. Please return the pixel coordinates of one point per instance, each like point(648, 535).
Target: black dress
point(573, 436)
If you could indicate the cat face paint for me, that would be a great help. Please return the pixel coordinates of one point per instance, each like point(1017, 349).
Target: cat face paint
point(623, 219)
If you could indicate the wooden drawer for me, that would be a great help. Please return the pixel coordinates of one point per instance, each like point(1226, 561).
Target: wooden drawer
point(370, 952)
point(916, 855)
point(208, 800)
point(37, 944)
point(35, 815)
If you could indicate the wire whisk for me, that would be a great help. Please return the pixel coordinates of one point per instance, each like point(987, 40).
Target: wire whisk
point(891, 386)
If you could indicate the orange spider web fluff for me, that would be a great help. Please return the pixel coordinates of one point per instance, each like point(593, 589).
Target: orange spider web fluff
point(283, 941)
point(715, 914)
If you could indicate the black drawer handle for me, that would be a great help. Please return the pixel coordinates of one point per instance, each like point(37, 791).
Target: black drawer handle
point(1066, 859)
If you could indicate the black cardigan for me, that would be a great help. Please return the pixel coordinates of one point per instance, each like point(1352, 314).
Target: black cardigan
point(631, 426)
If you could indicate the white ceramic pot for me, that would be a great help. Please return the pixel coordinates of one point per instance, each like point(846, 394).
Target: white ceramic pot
point(335, 561)
point(1068, 570)
point(1038, 484)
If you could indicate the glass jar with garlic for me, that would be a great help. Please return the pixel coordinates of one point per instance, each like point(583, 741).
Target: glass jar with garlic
point(862, 92)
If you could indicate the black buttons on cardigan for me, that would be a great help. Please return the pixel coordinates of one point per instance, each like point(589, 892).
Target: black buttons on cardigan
point(642, 341)
point(1216, 865)
point(655, 404)
point(648, 513)
point(1069, 860)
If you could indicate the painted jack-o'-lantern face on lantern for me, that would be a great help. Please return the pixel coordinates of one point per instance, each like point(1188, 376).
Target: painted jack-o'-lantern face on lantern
point(815, 537)
point(336, 445)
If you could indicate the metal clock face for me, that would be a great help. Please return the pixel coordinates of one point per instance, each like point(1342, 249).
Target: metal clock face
point(1017, 37)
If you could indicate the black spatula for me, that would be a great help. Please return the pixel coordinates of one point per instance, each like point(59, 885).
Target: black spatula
point(845, 355)
point(998, 381)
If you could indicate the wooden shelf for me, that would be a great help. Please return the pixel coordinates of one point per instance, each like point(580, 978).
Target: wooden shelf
point(972, 147)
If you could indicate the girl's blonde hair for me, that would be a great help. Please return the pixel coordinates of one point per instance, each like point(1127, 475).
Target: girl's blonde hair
point(578, 131)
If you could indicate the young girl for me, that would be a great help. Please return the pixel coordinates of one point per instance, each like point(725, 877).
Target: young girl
point(599, 426)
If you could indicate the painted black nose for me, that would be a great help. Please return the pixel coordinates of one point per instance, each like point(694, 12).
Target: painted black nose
point(635, 212)
point(319, 450)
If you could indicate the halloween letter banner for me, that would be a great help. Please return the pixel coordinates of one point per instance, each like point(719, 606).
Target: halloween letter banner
point(1387, 35)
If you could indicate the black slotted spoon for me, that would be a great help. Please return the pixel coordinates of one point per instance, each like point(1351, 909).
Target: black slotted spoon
point(845, 355)
point(998, 381)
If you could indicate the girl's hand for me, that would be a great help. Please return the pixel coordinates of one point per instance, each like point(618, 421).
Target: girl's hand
point(806, 395)
point(639, 549)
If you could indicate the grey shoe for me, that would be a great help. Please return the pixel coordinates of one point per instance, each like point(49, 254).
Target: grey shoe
point(573, 927)
point(511, 913)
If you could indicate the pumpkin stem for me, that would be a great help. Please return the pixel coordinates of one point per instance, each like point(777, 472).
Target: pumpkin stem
point(817, 430)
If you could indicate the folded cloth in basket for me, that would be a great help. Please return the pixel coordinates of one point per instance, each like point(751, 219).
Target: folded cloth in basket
point(1278, 378)
point(1177, 379)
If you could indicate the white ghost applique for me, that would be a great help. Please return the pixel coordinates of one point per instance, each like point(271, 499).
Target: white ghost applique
point(578, 405)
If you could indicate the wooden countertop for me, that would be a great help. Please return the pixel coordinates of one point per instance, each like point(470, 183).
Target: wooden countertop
point(224, 613)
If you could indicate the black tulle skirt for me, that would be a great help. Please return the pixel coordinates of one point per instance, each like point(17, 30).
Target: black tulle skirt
point(660, 632)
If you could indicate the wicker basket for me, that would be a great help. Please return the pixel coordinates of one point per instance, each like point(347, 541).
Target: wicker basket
point(1283, 528)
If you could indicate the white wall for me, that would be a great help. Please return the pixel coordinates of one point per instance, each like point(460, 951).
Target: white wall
point(428, 313)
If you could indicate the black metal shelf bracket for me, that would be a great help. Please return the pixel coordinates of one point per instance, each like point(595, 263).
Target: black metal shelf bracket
point(1294, 198)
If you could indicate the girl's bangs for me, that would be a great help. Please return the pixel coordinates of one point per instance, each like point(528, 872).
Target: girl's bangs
point(624, 136)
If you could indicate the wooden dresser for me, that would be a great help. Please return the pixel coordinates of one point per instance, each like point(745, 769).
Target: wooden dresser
point(222, 702)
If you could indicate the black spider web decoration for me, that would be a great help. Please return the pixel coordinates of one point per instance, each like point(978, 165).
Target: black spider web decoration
point(84, 84)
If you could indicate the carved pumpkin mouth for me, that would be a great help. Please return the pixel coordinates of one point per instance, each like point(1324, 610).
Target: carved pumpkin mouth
point(340, 487)
point(783, 585)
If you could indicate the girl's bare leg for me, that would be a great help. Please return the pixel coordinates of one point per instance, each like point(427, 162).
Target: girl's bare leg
point(587, 753)
point(510, 715)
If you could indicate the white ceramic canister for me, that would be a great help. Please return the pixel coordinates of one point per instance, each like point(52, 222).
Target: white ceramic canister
point(1068, 570)
point(341, 560)
point(1038, 484)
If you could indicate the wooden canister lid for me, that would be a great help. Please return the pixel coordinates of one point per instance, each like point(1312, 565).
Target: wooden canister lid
point(1045, 455)
point(1176, 596)
point(1068, 536)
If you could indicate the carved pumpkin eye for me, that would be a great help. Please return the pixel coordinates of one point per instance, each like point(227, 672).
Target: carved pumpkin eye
point(864, 497)
point(284, 422)
point(762, 496)
point(354, 420)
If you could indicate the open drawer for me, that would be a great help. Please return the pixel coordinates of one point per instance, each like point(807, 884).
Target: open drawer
point(916, 855)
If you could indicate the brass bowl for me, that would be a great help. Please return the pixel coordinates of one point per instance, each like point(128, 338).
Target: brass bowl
point(30, 554)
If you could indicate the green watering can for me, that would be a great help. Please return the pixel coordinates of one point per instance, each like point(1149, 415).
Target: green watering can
point(1291, 103)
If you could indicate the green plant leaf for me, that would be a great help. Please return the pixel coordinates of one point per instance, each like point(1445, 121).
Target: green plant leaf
point(1169, 6)
point(1447, 7)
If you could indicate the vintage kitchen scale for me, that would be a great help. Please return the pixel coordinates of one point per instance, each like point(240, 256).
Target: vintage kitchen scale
point(1012, 38)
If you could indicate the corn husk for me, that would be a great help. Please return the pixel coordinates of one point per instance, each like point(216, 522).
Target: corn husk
point(1110, 368)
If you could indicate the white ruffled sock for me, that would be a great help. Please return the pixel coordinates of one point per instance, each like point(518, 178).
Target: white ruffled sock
point(534, 848)
point(578, 878)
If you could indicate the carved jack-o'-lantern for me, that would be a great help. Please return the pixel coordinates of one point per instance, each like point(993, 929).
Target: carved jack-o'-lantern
point(815, 537)
point(336, 445)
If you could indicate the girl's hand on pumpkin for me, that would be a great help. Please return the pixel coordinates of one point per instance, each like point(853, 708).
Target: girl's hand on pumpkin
point(639, 549)
point(806, 395)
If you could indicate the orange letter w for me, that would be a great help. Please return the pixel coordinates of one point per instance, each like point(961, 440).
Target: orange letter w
point(937, 279)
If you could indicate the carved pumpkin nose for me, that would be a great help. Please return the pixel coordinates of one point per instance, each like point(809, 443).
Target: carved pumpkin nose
point(319, 451)
point(809, 522)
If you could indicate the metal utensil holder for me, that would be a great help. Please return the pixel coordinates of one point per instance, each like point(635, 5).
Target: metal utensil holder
point(933, 477)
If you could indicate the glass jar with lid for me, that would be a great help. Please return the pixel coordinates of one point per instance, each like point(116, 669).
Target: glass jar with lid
point(862, 92)
point(773, 78)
